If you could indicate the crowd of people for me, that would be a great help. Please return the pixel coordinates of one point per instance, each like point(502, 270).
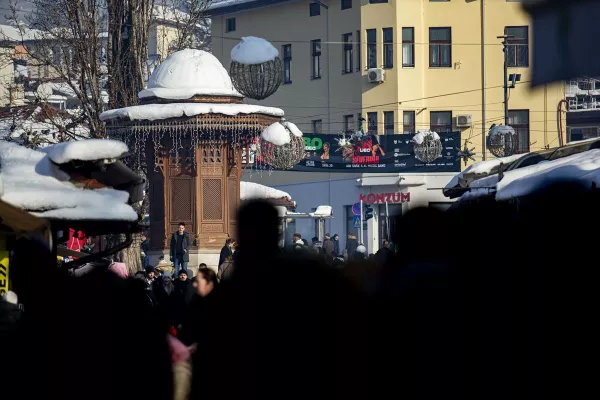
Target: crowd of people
point(458, 311)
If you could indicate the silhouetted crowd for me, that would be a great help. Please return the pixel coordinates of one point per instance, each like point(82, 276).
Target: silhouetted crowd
point(488, 300)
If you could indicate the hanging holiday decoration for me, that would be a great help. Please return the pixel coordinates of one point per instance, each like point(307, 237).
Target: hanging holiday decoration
point(466, 154)
point(256, 69)
point(502, 140)
point(427, 146)
point(281, 145)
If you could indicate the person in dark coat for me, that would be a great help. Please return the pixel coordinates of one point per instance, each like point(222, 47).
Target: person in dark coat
point(351, 245)
point(195, 325)
point(385, 253)
point(328, 246)
point(226, 251)
point(336, 245)
point(180, 248)
point(163, 288)
point(183, 291)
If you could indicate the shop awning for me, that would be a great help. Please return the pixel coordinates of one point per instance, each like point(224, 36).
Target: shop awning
point(400, 180)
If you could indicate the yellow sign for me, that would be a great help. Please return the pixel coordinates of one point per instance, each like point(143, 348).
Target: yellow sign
point(3, 265)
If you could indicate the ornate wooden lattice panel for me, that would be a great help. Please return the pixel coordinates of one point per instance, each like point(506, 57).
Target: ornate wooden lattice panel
point(181, 199)
point(212, 204)
point(233, 205)
point(212, 155)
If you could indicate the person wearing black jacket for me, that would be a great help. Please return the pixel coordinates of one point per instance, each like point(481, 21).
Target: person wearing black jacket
point(183, 292)
point(180, 248)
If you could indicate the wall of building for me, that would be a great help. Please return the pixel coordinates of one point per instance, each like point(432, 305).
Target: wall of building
point(6, 75)
point(304, 99)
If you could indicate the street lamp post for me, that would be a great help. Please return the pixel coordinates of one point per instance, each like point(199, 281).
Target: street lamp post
point(328, 63)
point(505, 85)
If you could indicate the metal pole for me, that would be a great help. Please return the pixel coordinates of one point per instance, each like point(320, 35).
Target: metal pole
point(387, 221)
point(504, 49)
point(360, 229)
point(483, 85)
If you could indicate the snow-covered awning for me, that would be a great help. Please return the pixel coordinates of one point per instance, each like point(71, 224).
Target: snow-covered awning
point(32, 182)
point(152, 112)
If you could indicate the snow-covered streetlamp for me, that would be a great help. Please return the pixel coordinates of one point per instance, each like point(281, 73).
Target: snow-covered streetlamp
point(256, 69)
point(502, 140)
point(281, 145)
point(427, 146)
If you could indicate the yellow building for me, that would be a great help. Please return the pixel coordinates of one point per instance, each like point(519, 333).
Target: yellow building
point(429, 63)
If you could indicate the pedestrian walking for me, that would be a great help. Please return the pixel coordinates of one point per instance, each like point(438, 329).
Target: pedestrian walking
point(328, 246)
point(180, 248)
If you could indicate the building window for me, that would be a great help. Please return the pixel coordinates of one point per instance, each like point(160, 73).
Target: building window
point(388, 122)
point(349, 125)
point(314, 9)
point(517, 49)
point(388, 47)
point(371, 48)
point(287, 63)
point(519, 120)
point(348, 53)
point(372, 123)
point(408, 47)
point(408, 122)
point(440, 47)
point(346, 4)
point(316, 58)
point(358, 50)
point(440, 121)
point(230, 25)
point(377, 1)
point(317, 125)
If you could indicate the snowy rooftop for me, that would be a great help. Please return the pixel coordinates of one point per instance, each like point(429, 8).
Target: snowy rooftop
point(581, 168)
point(152, 112)
point(188, 73)
point(30, 181)
point(255, 191)
point(481, 168)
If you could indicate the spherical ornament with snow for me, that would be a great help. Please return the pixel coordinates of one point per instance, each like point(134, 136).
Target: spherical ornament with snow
point(502, 141)
point(427, 146)
point(281, 145)
point(256, 69)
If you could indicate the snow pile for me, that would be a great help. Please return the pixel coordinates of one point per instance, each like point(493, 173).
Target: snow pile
point(276, 134)
point(502, 129)
point(152, 112)
point(255, 191)
point(582, 168)
point(33, 183)
point(293, 128)
point(88, 150)
point(253, 50)
point(214, 4)
point(482, 168)
point(420, 136)
point(323, 211)
point(188, 73)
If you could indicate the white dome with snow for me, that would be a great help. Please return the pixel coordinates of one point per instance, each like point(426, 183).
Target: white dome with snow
point(188, 73)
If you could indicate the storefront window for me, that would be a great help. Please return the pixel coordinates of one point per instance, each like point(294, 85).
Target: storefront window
point(387, 220)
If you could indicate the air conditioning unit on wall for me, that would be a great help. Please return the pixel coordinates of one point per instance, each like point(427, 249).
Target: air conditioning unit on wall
point(376, 75)
point(464, 120)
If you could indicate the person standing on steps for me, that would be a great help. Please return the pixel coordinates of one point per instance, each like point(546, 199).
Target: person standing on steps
point(180, 248)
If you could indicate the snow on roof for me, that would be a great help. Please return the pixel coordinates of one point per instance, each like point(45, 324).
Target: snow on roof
point(187, 73)
point(255, 191)
point(88, 150)
point(276, 134)
point(8, 32)
point(323, 211)
point(152, 112)
point(582, 168)
point(481, 168)
point(420, 136)
point(226, 3)
point(31, 182)
point(253, 50)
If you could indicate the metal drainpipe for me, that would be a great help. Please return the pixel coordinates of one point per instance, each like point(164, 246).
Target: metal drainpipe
point(483, 84)
point(328, 71)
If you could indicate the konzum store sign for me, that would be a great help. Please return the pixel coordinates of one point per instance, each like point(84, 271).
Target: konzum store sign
point(382, 198)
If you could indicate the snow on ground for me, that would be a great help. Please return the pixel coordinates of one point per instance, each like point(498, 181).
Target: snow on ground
point(482, 167)
point(276, 134)
point(89, 150)
point(255, 191)
point(31, 182)
point(187, 73)
point(253, 50)
point(152, 112)
point(293, 128)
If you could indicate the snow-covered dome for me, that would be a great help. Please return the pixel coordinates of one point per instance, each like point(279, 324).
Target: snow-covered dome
point(188, 73)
